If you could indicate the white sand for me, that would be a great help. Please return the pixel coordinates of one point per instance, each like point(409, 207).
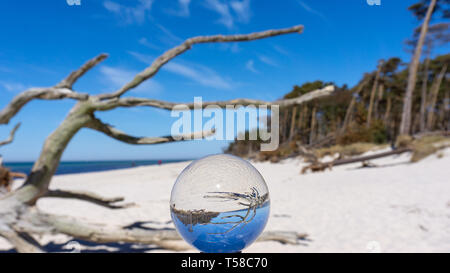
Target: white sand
point(396, 207)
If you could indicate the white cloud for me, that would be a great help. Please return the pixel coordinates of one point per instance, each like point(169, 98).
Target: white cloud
point(229, 12)
point(147, 59)
point(169, 38)
point(267, 60)
point(242, 10)
point(200, 74)
point(117, 77)
point(250, 65)
point(12, 87)
point(311, 10)
point(281, 50)
point(195, 72)
point(183, 9)
point(147, 43)
point(130, 14)
point(223, 10)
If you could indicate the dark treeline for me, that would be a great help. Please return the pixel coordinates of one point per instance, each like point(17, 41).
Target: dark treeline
point(396, 99)
point(371, 111)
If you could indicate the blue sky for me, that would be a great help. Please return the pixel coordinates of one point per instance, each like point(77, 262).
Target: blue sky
point(42, 41)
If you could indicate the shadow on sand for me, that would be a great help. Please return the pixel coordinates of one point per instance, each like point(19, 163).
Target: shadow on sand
point(81, 246)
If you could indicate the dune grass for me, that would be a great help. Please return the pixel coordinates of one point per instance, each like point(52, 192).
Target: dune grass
point(348, 150)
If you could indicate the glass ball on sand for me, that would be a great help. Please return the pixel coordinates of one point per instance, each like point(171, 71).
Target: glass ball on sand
point(220, 203)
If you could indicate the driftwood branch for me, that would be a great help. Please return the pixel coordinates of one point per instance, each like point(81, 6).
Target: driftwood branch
point(21, 241)
point(319, 166)
point(186, 45)
point(98, 233)
point(110, 131)
point(89, 197)
point(133, 102)
point(11, 135)
point(75, 75)
point(60, 91)
point(47, 93)
point(18, 213)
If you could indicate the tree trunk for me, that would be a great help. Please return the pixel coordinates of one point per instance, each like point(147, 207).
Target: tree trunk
point(313, 125)
point(434, 94)
point(378, 99)
point(405, 125)
point(447, 111)
point(388, 110)
point(373, 93)
point(423, 103)
point(284, 125)
point(348, 114)
point(294, 115)
point(444, 110)
point(302, 121)
point(43, 169)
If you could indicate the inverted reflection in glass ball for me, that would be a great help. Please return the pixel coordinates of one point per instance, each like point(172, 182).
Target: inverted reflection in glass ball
point(220, 203)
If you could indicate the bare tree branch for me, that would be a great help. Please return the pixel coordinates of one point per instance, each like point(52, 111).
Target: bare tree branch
point(172, 53)
point(18, 212)
point(75, 75)
point(89, 197)
point(60, 91)
point(98, 233)
point(98, 125)
point(11, 135)
point(48, 93)
point(21, 241)
point(132, 102)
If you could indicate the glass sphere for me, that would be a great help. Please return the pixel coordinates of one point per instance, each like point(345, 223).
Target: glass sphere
point(220, 203)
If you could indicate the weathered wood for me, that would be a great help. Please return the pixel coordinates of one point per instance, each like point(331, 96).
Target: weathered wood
point(75, 75)
point(369, 157)
point(47, 93)
point(319, 166)
point(110, 131)
point(186, 45)
point(106, 105)
point(10, 139)
point(89, 197)
point(22, 242)
point(7, 178)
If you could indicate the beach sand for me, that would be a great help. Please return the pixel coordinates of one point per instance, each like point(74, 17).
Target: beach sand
point(395, 207)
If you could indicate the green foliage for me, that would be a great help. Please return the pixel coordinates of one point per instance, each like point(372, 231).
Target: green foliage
point(420, 9)
point(331, 111)
point(353, 149)
point(359, 132)
point(297, 91)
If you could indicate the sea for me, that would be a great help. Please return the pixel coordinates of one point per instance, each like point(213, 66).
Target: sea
point(68, 167)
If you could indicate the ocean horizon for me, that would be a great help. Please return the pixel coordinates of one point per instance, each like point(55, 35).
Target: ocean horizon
point(71, 167)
